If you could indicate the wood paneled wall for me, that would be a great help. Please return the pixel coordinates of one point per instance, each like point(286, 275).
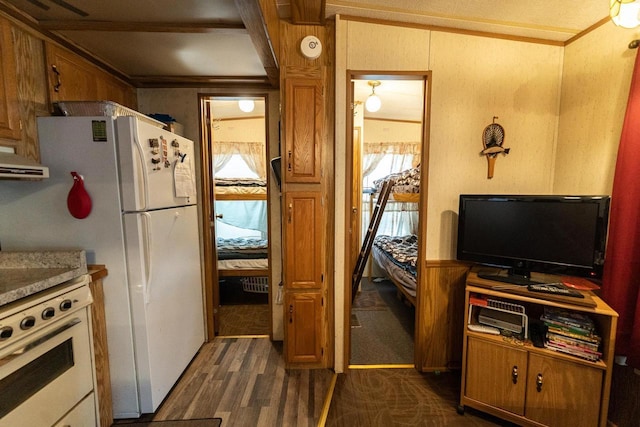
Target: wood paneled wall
point(439, 326)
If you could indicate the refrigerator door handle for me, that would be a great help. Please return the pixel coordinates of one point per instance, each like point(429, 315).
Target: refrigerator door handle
point(146, 230)
point(143, 171)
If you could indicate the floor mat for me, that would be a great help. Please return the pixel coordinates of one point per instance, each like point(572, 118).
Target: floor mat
point(209, 422)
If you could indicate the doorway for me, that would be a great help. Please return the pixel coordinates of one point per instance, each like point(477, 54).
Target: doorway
point(235, 133)
point(389, 143)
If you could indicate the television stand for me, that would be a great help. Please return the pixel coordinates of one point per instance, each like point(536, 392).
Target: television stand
point(513, 379)
point(511, 279)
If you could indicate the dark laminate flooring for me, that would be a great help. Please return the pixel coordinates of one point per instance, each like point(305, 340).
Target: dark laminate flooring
point(244, 382)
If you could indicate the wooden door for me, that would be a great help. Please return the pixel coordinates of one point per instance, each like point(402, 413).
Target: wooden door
point(303, 320)
point(71, 78)
point(562, 393)
point(356, 199)
point(304, 125)
point(9, 113)
point(303, 240)
point(496, 375)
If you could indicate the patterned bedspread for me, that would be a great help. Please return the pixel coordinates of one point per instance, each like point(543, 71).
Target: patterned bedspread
point(407, 181)
point(241, 248)
point(402, 250)
point(239, 182)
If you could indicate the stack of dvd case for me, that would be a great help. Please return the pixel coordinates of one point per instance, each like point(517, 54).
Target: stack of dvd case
point(572, 333)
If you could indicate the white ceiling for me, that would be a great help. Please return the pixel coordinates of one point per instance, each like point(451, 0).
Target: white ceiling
point(170, 39)
point(229, 51)
point(400, 99)
point(544, 19)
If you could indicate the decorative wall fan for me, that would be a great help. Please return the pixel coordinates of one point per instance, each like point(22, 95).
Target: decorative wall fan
point(492, 140)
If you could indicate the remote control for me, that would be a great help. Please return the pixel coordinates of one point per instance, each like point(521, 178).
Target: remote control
point(555, 288)
point(484, 328)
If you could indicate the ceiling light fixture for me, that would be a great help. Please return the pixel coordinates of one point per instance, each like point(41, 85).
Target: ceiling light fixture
point(373, 103)
point(246, 105)
point(625, 13)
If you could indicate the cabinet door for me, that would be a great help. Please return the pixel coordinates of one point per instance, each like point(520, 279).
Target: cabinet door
point(303, 240)
point(111, 89)
point(9, 112)
point(496, 375)
point(562, 393)
point(71, 78)
point(304, 126)
point(304, 327)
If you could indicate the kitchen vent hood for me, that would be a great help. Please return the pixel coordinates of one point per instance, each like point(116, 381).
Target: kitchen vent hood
point(18, 167)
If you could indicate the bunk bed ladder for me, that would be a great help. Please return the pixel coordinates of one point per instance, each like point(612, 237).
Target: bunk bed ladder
point(374, 223)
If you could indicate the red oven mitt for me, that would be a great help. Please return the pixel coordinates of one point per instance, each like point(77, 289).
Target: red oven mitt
point(78, 200)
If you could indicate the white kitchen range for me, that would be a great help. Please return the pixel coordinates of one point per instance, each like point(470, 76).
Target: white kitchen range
point(46, 348)
point(123, 189)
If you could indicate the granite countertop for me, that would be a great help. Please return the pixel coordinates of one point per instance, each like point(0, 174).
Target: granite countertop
point(24, 273)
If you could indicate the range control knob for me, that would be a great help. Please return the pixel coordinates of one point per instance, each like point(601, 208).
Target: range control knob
point(65, 305)
point(48, 313)
point(27, 323)
point(5, 332)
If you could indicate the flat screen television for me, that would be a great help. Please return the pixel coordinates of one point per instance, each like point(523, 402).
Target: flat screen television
point(563, 235)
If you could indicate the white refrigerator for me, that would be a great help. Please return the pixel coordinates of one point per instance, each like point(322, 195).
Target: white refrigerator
point(143, 226)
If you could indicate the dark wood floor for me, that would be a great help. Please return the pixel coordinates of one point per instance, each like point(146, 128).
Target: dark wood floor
point(244, 382)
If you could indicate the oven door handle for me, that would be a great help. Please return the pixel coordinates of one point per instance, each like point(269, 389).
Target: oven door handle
point(35, 343)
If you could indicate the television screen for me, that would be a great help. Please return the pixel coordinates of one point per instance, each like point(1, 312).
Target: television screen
point(550, 234)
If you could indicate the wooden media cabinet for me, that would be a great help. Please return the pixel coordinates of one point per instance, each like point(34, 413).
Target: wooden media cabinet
point(510, 378)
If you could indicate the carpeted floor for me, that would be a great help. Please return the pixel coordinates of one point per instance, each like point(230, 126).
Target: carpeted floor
point(401, 397)
point(249, 319)
point(241, 312)
point(382, 326)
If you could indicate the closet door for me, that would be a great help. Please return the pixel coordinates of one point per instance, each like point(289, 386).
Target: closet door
point(303, 240)
point(305, 336)
point(304, 327)
point(304, 124)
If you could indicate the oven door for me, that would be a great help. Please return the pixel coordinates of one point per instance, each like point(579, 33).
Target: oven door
point(44, 375)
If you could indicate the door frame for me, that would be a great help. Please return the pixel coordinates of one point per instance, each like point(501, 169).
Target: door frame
point(210, 268)
point(426, 77)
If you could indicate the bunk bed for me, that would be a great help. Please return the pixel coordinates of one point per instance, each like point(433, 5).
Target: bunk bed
point(242, 203)
point(242, 257)
point(395, 255)
point(240, 189)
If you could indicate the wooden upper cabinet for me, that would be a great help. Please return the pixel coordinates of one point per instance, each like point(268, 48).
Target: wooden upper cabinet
point(72, 78)
point(304, 127)
point(304, 228)
point(113, 90)
point(9, 108)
